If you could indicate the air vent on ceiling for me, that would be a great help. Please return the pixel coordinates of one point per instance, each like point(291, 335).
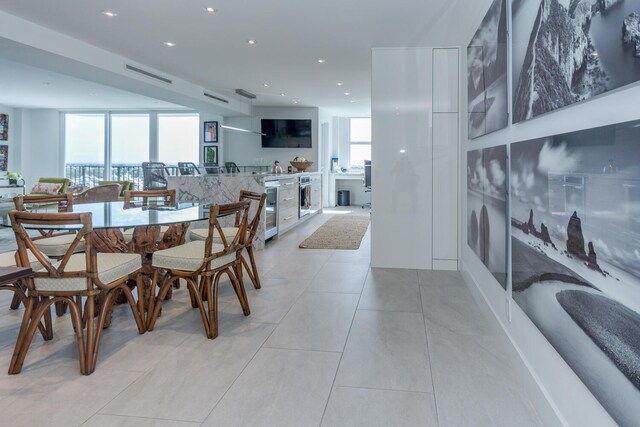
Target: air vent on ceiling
point(208, 95)
point(245, 93)
point(148, 74)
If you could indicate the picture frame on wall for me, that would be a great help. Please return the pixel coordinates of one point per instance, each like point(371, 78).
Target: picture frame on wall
point(4, 127)
point(210, 132)
point(211, 156)
point(4, 157)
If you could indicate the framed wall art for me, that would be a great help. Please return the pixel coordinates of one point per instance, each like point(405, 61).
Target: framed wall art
point(210, 132)
point(211, 155)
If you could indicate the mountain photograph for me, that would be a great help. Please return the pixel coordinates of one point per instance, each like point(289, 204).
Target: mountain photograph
point(567, 51)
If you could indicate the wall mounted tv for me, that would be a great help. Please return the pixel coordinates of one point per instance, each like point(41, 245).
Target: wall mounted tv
point(281, 133)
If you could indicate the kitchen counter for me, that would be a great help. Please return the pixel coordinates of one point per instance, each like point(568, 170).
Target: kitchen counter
point(225, 188)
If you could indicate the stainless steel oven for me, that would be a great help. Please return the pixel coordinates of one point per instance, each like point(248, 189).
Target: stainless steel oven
point(271, 208)
point(305, 195)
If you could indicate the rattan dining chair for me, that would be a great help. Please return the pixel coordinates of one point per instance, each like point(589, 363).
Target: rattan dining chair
point(144, 198)
point(52, 243)
point(208, 261)
point(252, 230)
point(10, 259)
point(76, 277)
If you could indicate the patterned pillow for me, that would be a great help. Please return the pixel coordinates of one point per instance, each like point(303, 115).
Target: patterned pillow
point(46, 188)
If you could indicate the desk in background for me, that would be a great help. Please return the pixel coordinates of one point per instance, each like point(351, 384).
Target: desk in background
point(354, 182)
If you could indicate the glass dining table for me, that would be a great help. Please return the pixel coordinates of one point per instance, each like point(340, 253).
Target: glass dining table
point(109, 219)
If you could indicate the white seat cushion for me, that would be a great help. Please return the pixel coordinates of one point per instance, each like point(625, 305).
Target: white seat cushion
point(128, 233)
point(111, 267)
point(202, 233)
point(57, 246)
point(8, 259)
point(189, 257)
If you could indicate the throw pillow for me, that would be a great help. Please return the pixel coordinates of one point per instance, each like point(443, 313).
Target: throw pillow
point(46, 188)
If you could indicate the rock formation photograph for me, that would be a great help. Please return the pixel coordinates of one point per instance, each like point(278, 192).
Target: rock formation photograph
point(487, 73)
point(575, 243)
point(566, 51)
point(487, 208)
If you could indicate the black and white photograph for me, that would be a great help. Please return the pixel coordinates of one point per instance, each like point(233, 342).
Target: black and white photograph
point(575, 227)
point(487, 208)
point(567, 51)
point(487, 73)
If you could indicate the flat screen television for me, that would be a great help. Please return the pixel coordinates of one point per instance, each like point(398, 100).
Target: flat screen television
point(282, 133)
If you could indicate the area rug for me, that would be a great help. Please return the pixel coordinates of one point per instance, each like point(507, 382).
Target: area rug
point(340, 232)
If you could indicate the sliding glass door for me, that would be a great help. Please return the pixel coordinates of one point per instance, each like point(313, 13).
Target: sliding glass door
point(85, 138)
point(129, 146)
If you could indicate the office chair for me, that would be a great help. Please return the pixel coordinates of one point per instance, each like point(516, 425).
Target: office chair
point(188, 168)
point(231, 167)
point(367, 180)
point(154, 176)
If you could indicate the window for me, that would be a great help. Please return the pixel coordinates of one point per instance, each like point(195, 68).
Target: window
point(359, 141)
point(178, 136)
point(129, 141)
point(85, 148)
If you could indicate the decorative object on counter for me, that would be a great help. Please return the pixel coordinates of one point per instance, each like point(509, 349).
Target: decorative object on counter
point(13, 178)
point(301, 163)
point(341, 232)
point(210, 132)
point(211, 156)
point(289, 169)
point(277, 169)
point(4, 127)
point(334, 165)
point(4, 157)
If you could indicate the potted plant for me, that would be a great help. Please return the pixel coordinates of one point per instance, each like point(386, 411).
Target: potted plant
point(13, 177)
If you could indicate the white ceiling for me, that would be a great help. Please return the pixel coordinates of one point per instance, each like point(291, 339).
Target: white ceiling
point(25, 86)
point(212, 50)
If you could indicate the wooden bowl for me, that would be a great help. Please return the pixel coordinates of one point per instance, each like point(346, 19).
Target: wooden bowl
point(301, 166)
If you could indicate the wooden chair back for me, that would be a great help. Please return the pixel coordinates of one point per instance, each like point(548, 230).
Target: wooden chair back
point(135, 199)
point(101, 193)
point(254, 223)
point(47, 220)
point(64, 203)
point(216, 212)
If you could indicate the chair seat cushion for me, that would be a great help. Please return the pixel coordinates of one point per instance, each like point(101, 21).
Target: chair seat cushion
point(189, 257)
point(111, 268)
point(57, 246)
point(8, 259)
point(202, 233)
point(128, 233)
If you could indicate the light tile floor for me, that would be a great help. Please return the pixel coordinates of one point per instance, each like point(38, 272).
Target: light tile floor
point(329, 342)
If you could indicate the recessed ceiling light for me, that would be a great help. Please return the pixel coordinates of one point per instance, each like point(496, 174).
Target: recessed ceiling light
point(347, 93)
point(282, 94)
point(339, 84)
point(266, 85)
point(320, 61)
point(109, 13)
point(169, 44)
point(353, 101)
point(295, 102)
point(210, 9)
point(251, 41)
point(403, 151)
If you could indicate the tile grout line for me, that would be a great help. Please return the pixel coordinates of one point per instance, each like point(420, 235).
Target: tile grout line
point(326, 405)
point(426, 335)
point(141, 417)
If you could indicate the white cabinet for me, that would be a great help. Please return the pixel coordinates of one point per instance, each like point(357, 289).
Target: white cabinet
point(316, 193)
point(445, 186)
point(445, 81)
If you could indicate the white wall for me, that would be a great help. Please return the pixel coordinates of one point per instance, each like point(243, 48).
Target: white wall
point(245, 149)
point(40, 145)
